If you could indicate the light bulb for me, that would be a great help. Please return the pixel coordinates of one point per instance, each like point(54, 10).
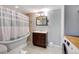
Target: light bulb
point(16, 7)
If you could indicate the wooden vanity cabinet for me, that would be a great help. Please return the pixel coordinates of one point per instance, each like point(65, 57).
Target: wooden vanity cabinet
point(40, 39)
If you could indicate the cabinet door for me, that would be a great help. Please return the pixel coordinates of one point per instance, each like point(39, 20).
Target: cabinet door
point(35, 38)
point(39, 39)
point(42, 39)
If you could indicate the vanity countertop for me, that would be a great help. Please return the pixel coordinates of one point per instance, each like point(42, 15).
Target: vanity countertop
point(74, 40)
point(40, 31)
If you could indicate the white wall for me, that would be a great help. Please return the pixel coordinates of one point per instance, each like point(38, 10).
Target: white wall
point(72, 20)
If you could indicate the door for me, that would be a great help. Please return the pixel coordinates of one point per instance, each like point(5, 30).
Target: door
point(54, 26)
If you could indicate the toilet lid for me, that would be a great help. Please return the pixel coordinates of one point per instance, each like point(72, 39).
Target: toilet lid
point(3, 48)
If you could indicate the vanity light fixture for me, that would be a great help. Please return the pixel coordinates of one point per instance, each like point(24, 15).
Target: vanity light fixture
point(45, 10)
point(16, 7)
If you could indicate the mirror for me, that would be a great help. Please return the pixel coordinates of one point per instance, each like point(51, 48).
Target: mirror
point(41, 21)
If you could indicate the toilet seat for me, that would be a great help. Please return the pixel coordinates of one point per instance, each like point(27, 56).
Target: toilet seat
point(3, 49)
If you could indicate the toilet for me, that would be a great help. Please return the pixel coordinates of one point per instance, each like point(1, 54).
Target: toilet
point(3, 49)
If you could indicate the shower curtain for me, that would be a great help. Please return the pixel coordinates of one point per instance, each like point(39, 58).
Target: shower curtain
point(13, 25)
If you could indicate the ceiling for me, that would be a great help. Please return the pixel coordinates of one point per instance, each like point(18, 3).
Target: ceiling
point(29, 8)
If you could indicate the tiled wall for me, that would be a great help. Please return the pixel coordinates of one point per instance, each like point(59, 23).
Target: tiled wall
point(35, 27)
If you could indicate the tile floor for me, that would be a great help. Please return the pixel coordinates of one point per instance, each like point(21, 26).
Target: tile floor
point(38, 50)
point(31, 49)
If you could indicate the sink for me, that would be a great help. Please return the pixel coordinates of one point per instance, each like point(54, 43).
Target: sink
point(40, 31)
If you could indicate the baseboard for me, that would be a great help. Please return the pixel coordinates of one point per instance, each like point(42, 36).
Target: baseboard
point(51, 45)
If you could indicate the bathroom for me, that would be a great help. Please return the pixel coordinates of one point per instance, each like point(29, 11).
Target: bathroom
point(31, 29)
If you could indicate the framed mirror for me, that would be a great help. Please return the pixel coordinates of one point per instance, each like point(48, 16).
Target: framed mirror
point(41, 21)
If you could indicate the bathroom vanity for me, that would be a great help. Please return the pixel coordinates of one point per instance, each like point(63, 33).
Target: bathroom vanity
point(40, 38)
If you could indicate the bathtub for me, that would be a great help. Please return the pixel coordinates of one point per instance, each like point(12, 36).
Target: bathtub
point(12, 44)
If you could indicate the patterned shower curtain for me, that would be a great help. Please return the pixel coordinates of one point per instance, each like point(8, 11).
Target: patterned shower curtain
point(13, 24)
